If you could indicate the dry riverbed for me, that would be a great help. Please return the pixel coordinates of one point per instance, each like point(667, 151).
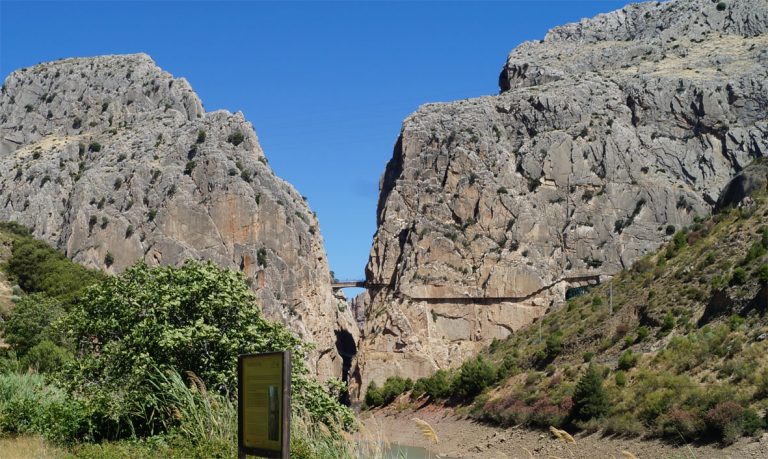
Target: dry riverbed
point(461, 437)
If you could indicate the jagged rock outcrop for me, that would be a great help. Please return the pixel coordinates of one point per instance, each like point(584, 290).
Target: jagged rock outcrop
point(753, 179)
point(607, 136)
point(113, 160)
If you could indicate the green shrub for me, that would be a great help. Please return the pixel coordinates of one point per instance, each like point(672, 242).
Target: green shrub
point(627, 360)
point(590, 400)
point(668, 322)
point(642, 333)
point(756, 251)
point(588, 356)
point(236, 138)
point(109, 259)
point(16, 229)
point(721, 6)
point(29, 405)
point(393, 387)
point(502, 190)
point(620, 378)
point(37, 267)
point(261, 257)
point(94, 147)
point(118, 183)
point(200, 136)
point(45, 357)
point(508, 366)
point(373, 396)
point(554, 344)
point(739, 276)
point(437, 386)
point(474, 376)
point(189, 167)
point(29, 323)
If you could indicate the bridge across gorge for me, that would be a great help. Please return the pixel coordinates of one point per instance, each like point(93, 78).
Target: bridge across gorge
point(337, 284)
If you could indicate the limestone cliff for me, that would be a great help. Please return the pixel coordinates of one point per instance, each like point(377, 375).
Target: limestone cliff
point(113, 160)
point(607, 136)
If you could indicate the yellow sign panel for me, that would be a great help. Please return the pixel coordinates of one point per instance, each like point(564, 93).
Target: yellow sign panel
point(263, 383)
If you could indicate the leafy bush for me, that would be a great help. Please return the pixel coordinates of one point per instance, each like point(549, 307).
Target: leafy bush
point(373, 396)
point(195, 318)
point(393, 387)
point(729, 420)
point(200, 136)
point(620, 378)
point(473, 377)
point(590, 400)
point(45, 357)
point(94, 147)
point(190, 166)
point(627, 360)
point(29, 405)
point(28, 324)
point(437, 386)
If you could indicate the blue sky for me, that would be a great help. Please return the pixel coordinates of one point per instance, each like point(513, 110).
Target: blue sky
point(325, 84)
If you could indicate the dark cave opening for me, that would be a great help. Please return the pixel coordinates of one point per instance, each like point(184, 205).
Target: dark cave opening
point(347, 349)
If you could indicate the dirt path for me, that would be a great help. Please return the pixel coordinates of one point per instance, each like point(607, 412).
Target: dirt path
point(465, 438)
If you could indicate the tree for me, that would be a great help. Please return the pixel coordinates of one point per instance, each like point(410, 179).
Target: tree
point(195, 318)
point(474, 376)
point(373, 396)
point(589, 398)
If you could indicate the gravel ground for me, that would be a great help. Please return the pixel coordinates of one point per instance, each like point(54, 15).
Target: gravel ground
point(465, 438)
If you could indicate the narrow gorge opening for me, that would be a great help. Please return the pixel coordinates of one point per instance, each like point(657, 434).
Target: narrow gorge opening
point(347, 349)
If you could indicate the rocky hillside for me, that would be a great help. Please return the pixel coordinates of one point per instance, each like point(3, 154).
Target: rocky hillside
point(680, 339)
point(674, 347)
point(607, 137)
point(112, 160)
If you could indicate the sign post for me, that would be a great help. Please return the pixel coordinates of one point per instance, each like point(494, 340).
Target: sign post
point(264, 405)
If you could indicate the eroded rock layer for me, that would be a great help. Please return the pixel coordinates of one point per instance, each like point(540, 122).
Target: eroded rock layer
point(607, 136)
point(113, 160)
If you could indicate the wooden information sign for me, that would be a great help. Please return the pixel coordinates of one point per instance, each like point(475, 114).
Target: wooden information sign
point(264, 405)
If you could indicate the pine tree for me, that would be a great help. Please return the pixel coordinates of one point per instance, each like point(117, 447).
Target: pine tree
point(589, 398)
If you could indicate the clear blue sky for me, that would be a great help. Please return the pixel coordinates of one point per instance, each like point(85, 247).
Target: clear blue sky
point(325, 84)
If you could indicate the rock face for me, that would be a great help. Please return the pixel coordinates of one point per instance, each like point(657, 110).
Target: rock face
point(607, 136)
point(113, 160)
